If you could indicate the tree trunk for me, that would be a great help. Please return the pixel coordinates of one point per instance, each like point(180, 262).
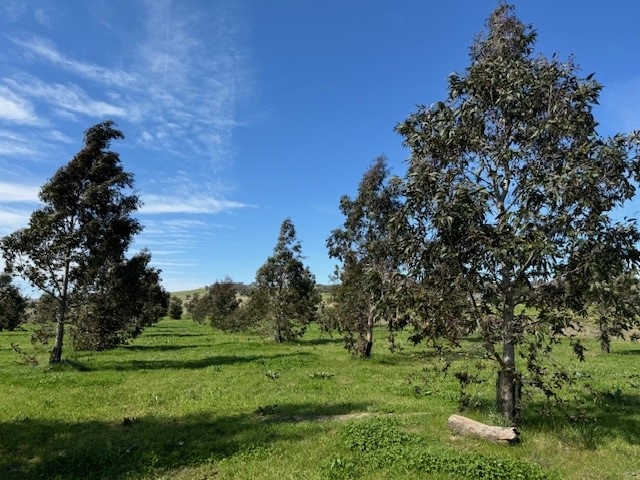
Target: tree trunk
point(605, 339)
point(368, 336)
point(277, 334)
point(466, 426)
point(507, 386)
point(56, 353)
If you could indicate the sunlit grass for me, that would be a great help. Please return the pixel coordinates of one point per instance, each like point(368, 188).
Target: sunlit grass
point(186, 401)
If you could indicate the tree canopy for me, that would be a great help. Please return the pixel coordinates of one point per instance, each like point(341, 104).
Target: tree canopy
point(285, 296)
point(13, 305)
point(509, 186)
point(83, 228)
point(365, 246)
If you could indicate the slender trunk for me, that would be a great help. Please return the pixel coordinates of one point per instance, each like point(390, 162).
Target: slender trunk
point(368, 335)
point(605, 338)
point(56, 353)
point(508, 391)
point(277, 334)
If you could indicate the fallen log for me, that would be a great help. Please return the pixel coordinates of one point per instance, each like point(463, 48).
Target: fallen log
point(466, 426)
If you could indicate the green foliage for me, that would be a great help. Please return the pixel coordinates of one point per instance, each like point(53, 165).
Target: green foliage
point(13, 305)
point(175, 307)
point(219, 306)
point(365, 247)
point(83, 229)
point(128, 299)
point(509, 189)
point(285, 299)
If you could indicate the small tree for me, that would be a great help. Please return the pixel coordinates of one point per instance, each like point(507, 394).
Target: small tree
point(13, 305)
point(175, 308)
point(223, 302)
point(507, 180)
point(126, 300)
point(365, 246)
point(603, 288)
point(285, 296)
point(219, 306)
point(84, 225)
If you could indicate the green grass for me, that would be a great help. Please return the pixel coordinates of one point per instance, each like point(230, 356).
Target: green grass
point(185, 401)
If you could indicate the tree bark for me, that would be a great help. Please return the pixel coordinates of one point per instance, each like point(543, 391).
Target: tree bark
point(466, 426)
point(277, 334)
point(56, 353)
point(368, 338)
point(605, 338)
point(507, 390)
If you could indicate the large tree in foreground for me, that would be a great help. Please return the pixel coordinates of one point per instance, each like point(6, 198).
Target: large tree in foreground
point(84, 226)
point(364, 245)
point(509, 189)
point(285, 295)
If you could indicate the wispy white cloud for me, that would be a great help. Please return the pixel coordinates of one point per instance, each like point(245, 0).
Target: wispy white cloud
point(68, 97)
point(14, 144)
point(166, 204)
point(14, 9)
point(43, 17)
point(16, 109)
point(187, 75)
point(46, 50)
point(17, 192)
point(197, 80)
point(12, 219)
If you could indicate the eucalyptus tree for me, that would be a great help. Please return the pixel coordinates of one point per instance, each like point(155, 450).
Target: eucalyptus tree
point(125, 299)
point(219, 305)
point(175, 308)
point(507, 182)
point(285, 295)
point(365, 247)
point(84, 225)
point(13, 305)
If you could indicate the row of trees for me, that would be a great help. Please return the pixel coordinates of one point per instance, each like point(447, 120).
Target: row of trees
point(503, 227)
point(504, 224)
point(283, 300)
point(74, 251)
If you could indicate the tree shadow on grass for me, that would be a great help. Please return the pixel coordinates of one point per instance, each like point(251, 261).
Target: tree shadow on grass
point(171, 333)
point(317, 341)
point(626, 352)
point(177, 364)
point(158, 348)
point(590, 420)
point(139, 446)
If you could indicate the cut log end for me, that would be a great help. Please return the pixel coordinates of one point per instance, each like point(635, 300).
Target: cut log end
point(466, 426)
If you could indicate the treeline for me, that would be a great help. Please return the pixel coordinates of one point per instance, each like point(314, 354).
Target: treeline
point(503, 227)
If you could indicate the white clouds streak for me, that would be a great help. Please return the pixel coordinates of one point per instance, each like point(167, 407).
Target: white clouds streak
point(46, 50)
point(16, 192)
point(16, 109)
point(70, 98)
point(12, 219)
point(159, 204)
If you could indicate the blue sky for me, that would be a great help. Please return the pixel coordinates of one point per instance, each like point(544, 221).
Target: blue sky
point(240, 113)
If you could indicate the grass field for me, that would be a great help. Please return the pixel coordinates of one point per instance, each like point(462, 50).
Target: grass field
point(184, 401)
